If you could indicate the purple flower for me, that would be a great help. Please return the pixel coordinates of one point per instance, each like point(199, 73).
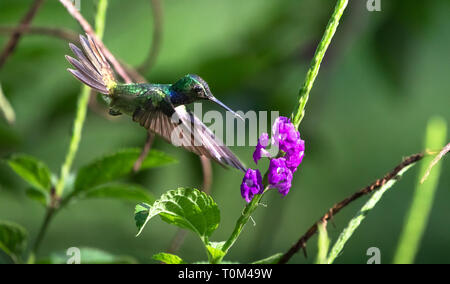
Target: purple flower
point(251, 184)
point(260, 150)
point(292, 150)
point(285, 136)
point(279, 175)
point(294, 156)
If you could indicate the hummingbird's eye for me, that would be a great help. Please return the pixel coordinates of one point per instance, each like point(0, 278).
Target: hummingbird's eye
point(198, 89)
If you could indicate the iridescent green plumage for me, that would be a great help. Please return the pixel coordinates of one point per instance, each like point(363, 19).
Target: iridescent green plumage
point(157, 107)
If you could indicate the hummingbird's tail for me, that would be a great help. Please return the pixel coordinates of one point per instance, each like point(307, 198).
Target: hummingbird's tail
point(92, 68)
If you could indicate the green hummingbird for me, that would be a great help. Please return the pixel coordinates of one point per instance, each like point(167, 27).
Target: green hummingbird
point(160, 108)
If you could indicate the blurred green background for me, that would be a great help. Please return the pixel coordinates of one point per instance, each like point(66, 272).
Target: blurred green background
point(385, 74)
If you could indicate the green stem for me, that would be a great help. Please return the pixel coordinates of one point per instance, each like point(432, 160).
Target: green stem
point(356, 221)
point(323, 243)
point(6, 108)
point(48, 217)
point(420, 209)
point(76, 138)
point(243, 219)
point(82, 106)
point(299, 111)
point(100, 18)
point(74, 142)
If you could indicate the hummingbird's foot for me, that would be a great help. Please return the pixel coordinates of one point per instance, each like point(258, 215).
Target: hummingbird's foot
point(114, 112)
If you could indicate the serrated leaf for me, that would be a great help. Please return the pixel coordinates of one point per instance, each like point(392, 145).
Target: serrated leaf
point(33, 171)
point(117, 165)
point(87, 256)
point(168, 258)
point(13, 239)
point(269, 260)
point(215, 252)
point(184, 207)
point(141, 214)
point(121, 191)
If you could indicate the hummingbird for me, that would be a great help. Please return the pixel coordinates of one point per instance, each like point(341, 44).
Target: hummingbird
point(160, 108)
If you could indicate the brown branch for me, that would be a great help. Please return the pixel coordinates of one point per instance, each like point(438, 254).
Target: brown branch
point(145, 150)
point(207, 174)
point(61, 33)
point(301, 243)
point(157, 36)
point(89, 30)
point(177, 241)
point(133, 73)
point(433, 163)
point(15, 37)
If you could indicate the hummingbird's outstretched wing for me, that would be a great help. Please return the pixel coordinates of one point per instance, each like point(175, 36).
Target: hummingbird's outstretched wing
point(91, 66)
point(182, 128)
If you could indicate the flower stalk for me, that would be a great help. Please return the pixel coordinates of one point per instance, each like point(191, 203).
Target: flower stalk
point(285, 136)
point(243, 219)
point(299, 111)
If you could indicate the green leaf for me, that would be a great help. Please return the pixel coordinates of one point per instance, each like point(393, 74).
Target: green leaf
point(269, 260)
point(13, 239)
point(168, 258)
point(141, 214)
point(186, 208)
point(38, 196)
point(33, 171)
point(121, 191)
point(323, 244)
point(215, 252)
point(87, 256)
point(117, 165)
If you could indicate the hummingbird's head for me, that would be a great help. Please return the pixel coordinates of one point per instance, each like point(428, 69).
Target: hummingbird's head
point(194, 88)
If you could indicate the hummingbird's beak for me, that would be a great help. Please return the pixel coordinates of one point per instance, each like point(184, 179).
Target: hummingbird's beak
point(212, 98)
